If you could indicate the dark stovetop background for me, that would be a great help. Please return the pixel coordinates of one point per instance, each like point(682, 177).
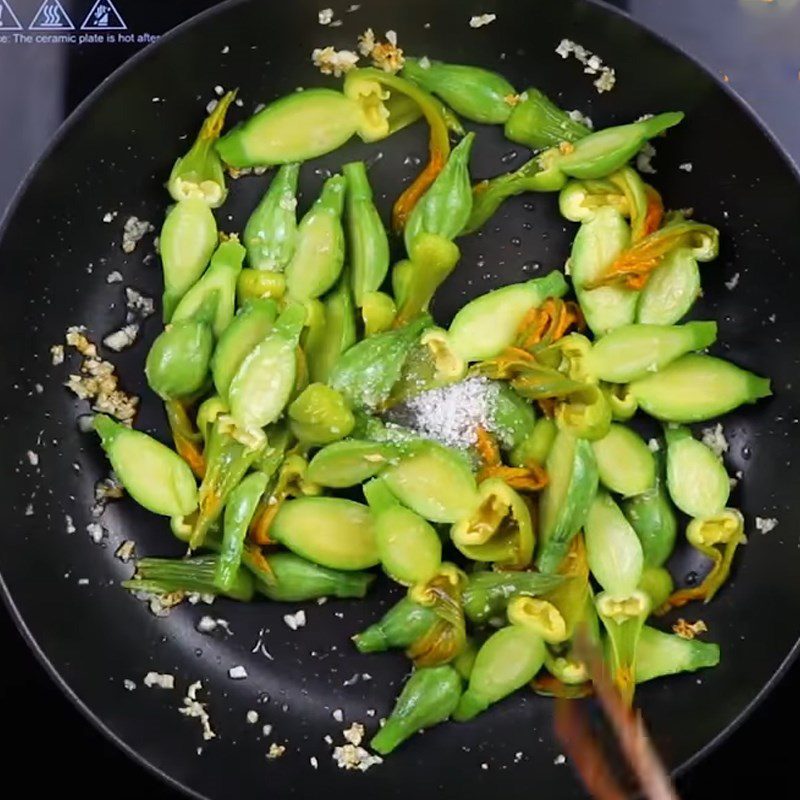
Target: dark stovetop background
point(755, 43)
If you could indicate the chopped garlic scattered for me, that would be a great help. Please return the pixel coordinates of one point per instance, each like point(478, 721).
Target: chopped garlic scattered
point(75, 337)
point(208, 624)
point(96, 532)
point(123, 338)
point(714, 439)
point(134, 231)
point(333, 62)
point(387, 55)
point(352, 755)
point(192, 707)
point(688, 630)
point(161, 679)
point(161, 604)
point(238, 673)
point(275, 751)
point(138, 304)
point(579, 116)
point(85, 423)
point(98, 381)
point(296, 620)
point(107, 489)
point(766, 524)
point(57, 354)
point(196, 597)
point(354, 734)
point(125, 551)
point(606, 81)
point(479, 20)
point(644, 159)
point(592, 64)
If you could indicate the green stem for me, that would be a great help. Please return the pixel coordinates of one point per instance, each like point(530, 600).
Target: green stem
point(165, 575)
point(239, 512)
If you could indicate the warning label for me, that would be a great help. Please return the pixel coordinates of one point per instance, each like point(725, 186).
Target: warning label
point(103, 16)
point(52, 24)
point(51, 16)
point(8, 19)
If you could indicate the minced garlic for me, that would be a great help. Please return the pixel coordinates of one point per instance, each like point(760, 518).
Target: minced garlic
point(122, 338)
point(592, 64)
point(192, 707)
point(366, 42)
point(354, 734)
point(133, 231)
point(275, 751)
point(480, 20)
point(98, 381)
point(57, 354)
point(125, 551)
point(385, 55)
point(333, 62)
point(688, 630)
point(108, 488)
point(766, 524)
point(714, 439)
point(162, 680)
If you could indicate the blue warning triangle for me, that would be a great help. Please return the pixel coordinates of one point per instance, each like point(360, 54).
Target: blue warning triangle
point(103, 16)
point(51, 16)
point(8, 19)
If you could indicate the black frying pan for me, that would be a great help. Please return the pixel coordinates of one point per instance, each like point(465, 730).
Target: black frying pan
point(114, 153)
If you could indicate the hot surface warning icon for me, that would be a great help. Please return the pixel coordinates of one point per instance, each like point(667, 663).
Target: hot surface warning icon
point(51, 16)
point(103, 16)
point(8, 19)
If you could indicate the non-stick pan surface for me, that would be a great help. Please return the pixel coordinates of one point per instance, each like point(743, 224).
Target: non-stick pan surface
point(56, 252)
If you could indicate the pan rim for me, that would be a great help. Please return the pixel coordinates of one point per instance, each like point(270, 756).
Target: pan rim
point(61, 132)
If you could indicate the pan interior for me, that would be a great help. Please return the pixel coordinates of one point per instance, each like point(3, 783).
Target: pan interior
point(57, 253)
